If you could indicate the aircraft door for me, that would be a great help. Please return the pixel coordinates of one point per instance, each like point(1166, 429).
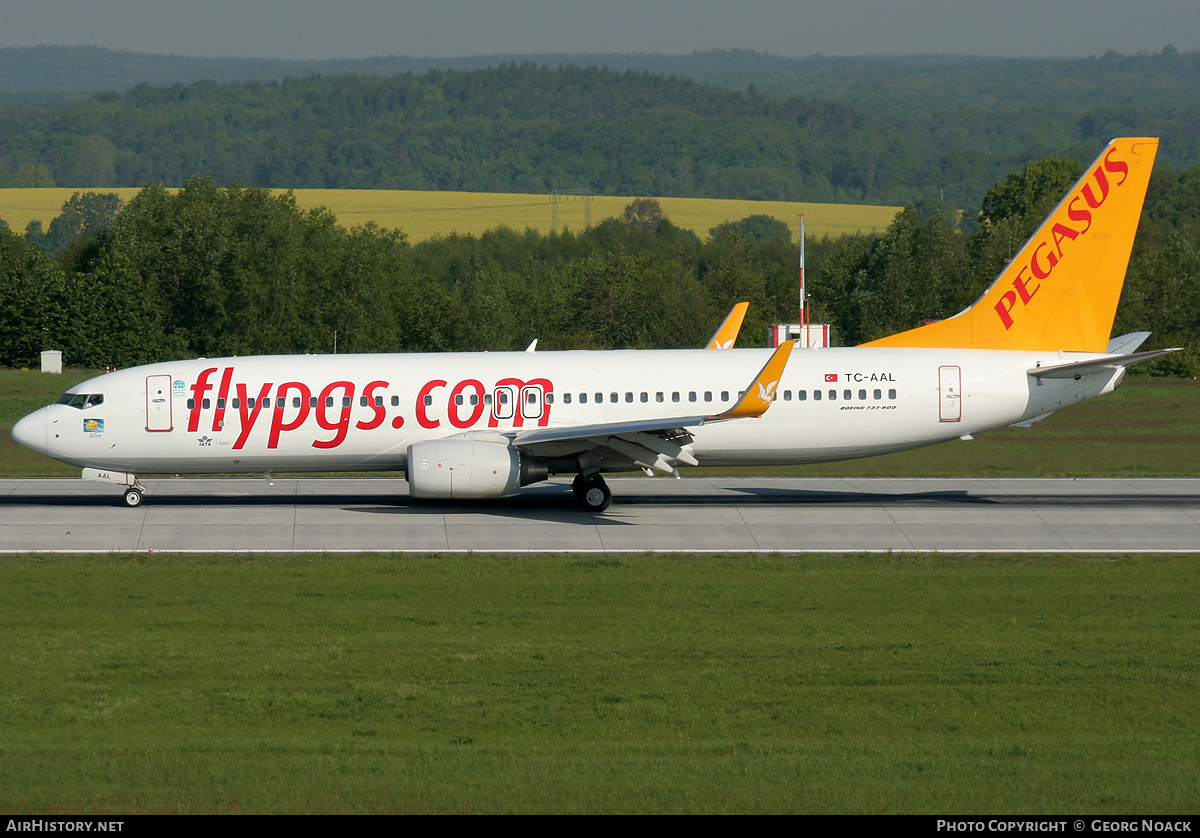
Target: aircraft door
point(532, 400)
point(504, 403)
point(950, 394)
point(158, 403)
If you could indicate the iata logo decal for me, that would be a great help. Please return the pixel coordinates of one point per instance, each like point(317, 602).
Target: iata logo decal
point(205, 442)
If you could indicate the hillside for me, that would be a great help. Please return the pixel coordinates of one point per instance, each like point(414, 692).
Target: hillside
point(717, 124)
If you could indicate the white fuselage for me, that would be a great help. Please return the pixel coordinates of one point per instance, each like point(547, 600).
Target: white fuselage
point(361, 412)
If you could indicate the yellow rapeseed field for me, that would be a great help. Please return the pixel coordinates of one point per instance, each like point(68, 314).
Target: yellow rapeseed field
point(423, 215)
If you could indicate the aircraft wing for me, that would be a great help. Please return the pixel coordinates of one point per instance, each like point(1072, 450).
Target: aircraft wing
point(646, 442)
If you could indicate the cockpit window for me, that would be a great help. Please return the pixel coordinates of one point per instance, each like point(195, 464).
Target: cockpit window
point(82, 401)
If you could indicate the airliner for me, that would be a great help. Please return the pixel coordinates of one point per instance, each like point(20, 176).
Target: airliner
point(485, 424)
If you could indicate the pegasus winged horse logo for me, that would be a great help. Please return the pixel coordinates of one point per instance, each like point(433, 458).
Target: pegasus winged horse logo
point(767, 393)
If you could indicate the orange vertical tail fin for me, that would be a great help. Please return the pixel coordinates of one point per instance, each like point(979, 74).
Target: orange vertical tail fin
point(1061, 291)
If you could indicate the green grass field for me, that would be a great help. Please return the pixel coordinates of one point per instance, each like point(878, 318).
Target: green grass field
point(368, 683)
point(1150, 427)
point(373, 683)
point(423, 215)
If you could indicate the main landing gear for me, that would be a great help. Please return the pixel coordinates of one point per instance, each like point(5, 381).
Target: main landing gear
point(133, 497)
point(591, 492)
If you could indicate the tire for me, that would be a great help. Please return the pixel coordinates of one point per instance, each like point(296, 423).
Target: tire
point(133, 498)
point(594, 495)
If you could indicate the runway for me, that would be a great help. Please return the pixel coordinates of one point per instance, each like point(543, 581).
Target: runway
point(647, 514)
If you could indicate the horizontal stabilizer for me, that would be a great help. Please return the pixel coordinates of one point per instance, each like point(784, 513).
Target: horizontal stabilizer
point(1126, 344)
point(1082, 368)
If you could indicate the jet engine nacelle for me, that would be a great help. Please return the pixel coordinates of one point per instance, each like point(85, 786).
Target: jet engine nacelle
point(469, 468)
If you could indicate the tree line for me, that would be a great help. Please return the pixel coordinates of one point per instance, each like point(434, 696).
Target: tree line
point(213, 271)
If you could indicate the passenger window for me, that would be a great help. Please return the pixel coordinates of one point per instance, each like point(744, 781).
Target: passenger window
point(645, 397)
point(237, 403)
point(396, 401)
point(847, 394)
point(612, 397)
point(658, 397)
point(691, 395)
point(295, 401)
point(833, 395)
point(891, 394)
point(220, 404)
point(312, 401)
point(207, 404)
point(329, 401)
point(708, 395)
point(628, 397)
point(428, 400)
point(724, 395)
point(583, 398)
point(862, 394)
point(816, 395)
point(566, 398)
point(801, 395)
point(674, 397)
point(458, 400)
point(878, 395)
point(191, 404)
point(379, 401)
point(787, 395)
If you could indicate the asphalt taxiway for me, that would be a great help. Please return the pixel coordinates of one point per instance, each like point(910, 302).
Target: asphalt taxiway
point(647, 514)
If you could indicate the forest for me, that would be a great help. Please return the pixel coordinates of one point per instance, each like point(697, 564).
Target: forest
point(216, 271)
point(221, 267)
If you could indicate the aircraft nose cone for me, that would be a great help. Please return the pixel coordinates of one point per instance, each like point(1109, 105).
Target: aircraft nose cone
point(31, 431)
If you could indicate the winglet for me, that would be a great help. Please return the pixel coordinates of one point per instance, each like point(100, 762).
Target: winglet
point(725, 336)
point(761, 392)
